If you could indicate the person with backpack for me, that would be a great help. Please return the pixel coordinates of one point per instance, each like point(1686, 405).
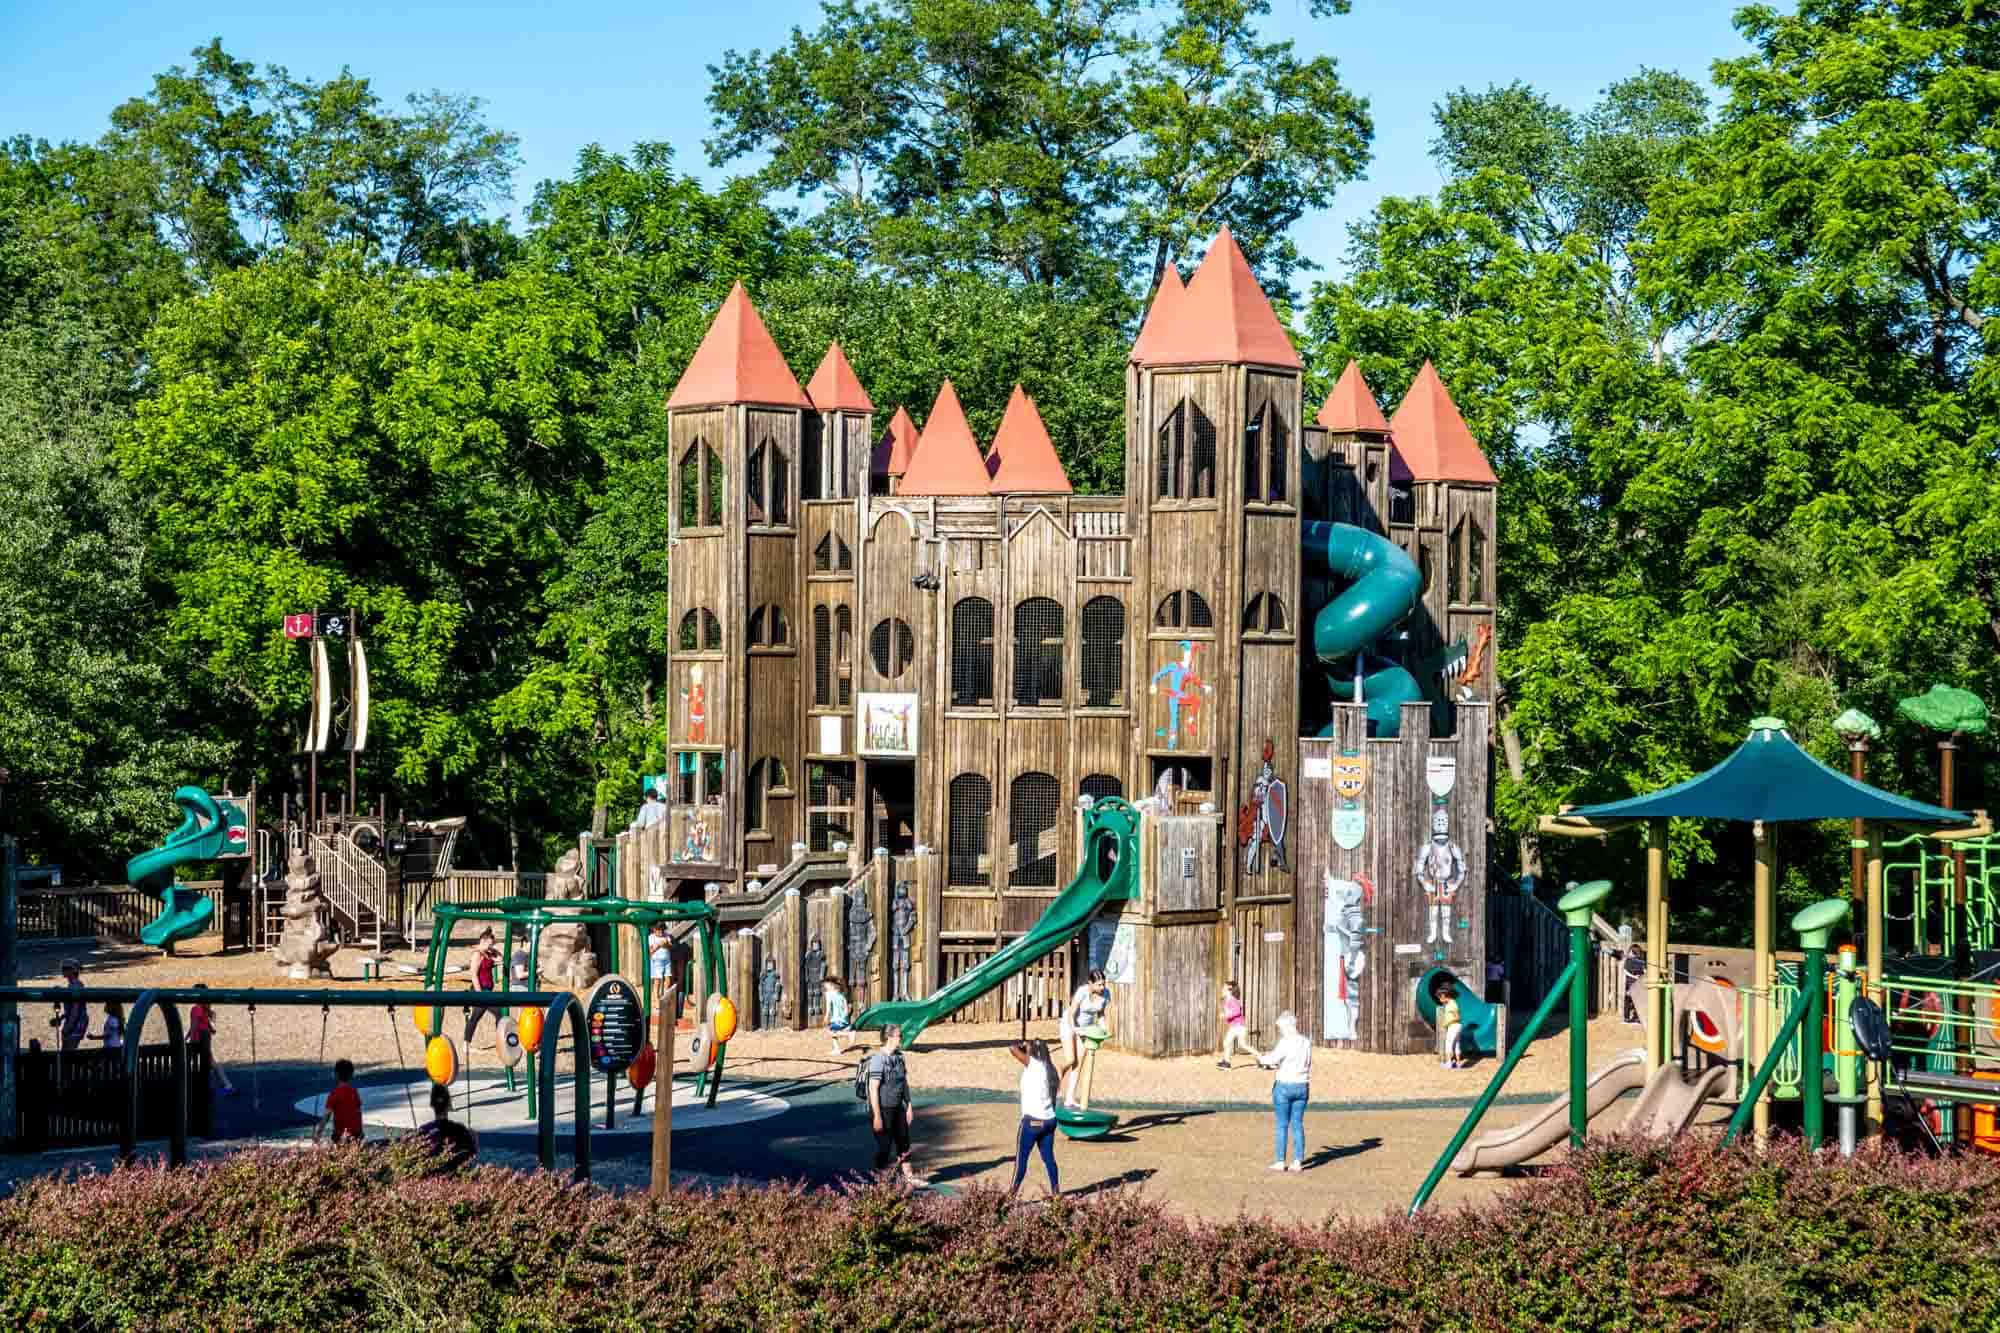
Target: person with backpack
point(883, 1080)
point(1038, 1112)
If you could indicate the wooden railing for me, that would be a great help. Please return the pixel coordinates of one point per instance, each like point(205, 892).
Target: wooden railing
point(1046, 982)
point(100, 911)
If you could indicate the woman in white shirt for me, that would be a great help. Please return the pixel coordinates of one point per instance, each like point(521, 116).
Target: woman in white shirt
point(1292, 1057)
point(1086, 1010)
point(1038, 1112)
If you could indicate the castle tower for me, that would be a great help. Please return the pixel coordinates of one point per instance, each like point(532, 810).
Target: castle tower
point(736, 426)
point(1213, 496)
point(1023, 458)
point(1351, 462)
point(1446, 523)
point(893, 453)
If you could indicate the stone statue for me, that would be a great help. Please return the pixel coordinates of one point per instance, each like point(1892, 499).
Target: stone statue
point(564, 957)
point(902, 925)
point(770, 994)
point(815, 979)
point(860, 945)
point(307, 942)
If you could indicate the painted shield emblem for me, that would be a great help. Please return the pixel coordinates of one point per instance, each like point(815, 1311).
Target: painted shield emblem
point(1350, 826)
point(1275, 802)
point(1440, 774)
point(1350, 774)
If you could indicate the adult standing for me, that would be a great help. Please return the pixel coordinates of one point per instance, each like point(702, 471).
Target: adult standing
point(1292, 1057)
point(1085, 1011)
point(72, 1022)
point(1038, 1112)
point(486, 975)
point(890, 1110)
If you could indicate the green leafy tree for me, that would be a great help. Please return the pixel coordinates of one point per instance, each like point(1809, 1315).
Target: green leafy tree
point(97, 719)
point(1056, 145)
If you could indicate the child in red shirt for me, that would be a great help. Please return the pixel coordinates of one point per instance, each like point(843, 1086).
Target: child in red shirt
point(343, 1105)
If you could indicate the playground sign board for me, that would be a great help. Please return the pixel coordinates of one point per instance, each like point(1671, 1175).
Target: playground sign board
point(617, 1024)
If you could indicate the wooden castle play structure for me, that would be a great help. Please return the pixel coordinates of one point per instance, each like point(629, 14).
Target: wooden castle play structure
point(903, 668)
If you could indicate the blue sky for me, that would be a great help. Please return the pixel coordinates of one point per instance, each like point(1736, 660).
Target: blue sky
point(563, 76)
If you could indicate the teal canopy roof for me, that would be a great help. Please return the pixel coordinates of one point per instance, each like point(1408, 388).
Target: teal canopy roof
point(1769, 777)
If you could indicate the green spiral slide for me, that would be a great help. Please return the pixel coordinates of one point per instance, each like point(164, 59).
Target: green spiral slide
point(1110, 874)
point(209, 829)
point(1382, 589)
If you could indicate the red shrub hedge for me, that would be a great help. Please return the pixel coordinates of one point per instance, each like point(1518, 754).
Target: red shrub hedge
point(1628, 1236)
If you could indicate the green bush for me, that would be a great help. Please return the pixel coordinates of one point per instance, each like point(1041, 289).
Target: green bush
point(1627, 1236)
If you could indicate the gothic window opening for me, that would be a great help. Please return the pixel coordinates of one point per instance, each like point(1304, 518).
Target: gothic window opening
point(712, 493)
point(769, 628)
point(754, 483)
point(1201, 457)
point(688, 482)
point(1253, 455)
point(1266, 440)
point(1034, 805)
point(843, 652)
point(831, 556)
point(1475, 561)
point(891, 646)
point(769, 481)
point(1102, 669)
point(822, 658)
point(1171, 449)
point(1038, 652)
point(1454, 564)
point(971, 802)
point(972, 653)
point(1402, 503)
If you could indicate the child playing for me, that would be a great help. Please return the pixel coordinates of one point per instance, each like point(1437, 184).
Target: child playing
point(836, 1014)
point(1236, 1031)
point(1445, 991)
point(343, 1106)
point(660, 957)
point(113, 1035)
point(201, 1028)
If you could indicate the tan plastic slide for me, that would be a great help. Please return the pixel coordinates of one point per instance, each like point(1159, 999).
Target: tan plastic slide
point(1670, 1102)
point(1550, 1125)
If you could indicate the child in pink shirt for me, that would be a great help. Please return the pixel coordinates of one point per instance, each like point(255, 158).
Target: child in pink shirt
point(1235, 1031)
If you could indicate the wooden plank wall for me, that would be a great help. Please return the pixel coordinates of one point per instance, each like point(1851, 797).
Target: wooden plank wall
point(1398, 808)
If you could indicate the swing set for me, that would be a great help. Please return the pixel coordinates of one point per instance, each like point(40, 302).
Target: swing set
point(527, 918)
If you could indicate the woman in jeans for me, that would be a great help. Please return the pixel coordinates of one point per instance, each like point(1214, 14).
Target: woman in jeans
point(1038, 1112)
point(1292, 1057)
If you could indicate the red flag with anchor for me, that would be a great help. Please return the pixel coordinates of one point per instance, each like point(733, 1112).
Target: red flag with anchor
point(299, 626)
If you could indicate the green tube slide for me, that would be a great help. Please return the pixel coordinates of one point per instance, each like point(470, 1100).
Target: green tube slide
point(207, 830)
point(1382, 589)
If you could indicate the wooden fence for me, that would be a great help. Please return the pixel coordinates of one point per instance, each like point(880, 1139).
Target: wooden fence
point(78, 1098)
point(100, 911)
point(470, 888)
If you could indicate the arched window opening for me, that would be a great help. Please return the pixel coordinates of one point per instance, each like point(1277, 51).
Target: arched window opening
point(1475, 561)
point(1103, 664)
point(711, 514)
point(1100, 785)
point(688, 482)
point(1171, 448)
point(1034, 804)
point(1201, 457)
point(972, 653)
point(971, 801)
point(700, 632)
point(1185, 610)
point(1264, 614)
point(1038, 651)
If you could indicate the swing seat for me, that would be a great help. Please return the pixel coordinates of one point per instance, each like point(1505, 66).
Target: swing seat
point(1084, 1124)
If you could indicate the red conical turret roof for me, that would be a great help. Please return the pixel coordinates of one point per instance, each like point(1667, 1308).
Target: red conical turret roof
point(1165, 298)
point(947, 461)
point(1350, 407)
point(1023, 459)
point(897, 446)
point(835, 387)
point(1432, 438)
point(738, 363)
point(1223, 316)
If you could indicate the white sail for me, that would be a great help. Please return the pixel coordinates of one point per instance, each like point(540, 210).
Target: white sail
point(357, 680)
point(319, 722)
